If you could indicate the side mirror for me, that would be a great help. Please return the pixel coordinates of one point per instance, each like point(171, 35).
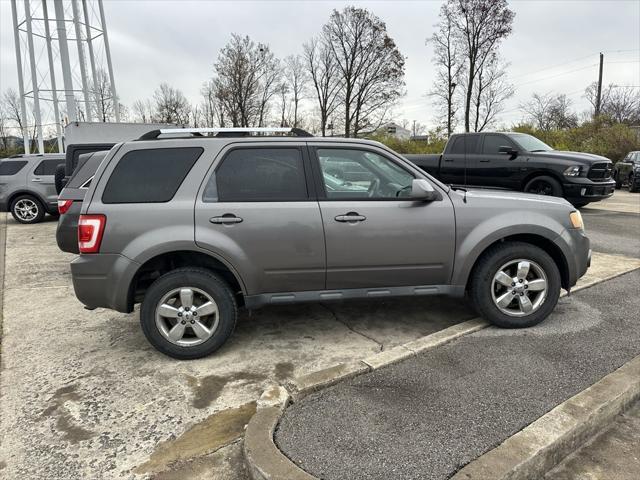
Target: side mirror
point(422, 190)
point(508, 151)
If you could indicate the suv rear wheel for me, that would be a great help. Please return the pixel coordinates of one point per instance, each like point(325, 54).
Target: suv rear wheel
point(188, 313)
point(515, 285)
point(27, 209)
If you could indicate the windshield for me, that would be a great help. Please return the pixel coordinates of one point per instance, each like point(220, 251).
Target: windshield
point(529, 142)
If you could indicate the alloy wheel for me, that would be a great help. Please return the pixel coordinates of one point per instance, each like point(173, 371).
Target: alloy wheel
point(26, 210)
point(187, 316)
point(519, 288)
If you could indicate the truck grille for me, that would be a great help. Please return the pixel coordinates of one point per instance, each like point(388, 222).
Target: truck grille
point(600, 172)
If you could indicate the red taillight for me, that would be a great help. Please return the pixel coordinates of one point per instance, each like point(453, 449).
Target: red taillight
point(64, 206)
point(90, 230)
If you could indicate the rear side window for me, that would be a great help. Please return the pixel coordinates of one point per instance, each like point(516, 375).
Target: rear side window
point(465, 144)
point(48, 167)
point(86, 170)
point(259, 175)
point(150, 176)
point(11, 167)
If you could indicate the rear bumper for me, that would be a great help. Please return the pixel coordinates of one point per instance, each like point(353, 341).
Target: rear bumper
point(103, 280)
point(585, 190)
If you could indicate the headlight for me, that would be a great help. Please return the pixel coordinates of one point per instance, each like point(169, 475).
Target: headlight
point(573, 171)
point(576, 220)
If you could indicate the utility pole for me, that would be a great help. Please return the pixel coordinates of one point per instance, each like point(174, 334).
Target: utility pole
point(599, 97)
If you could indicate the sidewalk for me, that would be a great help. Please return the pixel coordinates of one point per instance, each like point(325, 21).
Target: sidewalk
point(612, 455)
point(430, 415)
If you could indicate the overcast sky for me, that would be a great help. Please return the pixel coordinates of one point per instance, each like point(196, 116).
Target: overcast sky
point(553, 48)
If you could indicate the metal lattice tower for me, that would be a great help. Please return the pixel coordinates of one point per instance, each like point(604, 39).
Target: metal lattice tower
point(61, 60)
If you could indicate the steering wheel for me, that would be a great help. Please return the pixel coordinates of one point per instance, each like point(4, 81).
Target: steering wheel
point(373, 188)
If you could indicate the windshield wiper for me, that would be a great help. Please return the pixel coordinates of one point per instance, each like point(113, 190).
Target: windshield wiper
point(540, 150)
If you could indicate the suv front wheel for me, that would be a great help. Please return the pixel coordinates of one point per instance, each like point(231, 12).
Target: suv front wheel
point(515, 285)
point(188, 313)
point(27, 209)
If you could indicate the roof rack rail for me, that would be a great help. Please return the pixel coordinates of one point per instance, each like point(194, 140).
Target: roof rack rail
point(223, 132)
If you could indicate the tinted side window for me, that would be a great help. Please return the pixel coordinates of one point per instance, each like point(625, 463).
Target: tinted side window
point(259, 174)
point(48, 167)
point(465, 144)
point(11, 167)
point(492, 144)
point(150, 176)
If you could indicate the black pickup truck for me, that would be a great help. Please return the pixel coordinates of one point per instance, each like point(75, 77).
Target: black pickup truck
point(517, 161)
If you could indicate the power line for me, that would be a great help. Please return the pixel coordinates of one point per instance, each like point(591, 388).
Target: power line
point(556, 75)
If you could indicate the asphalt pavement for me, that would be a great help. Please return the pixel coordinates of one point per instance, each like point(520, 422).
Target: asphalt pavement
point(613, 232)
point(429, 416)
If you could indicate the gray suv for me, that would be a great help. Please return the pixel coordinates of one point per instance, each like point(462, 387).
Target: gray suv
point(27, 186)
point(195, 227)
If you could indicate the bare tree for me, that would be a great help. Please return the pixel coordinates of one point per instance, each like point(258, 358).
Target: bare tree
point(323, 72)
point(550, 112)
point(247, 77)
point(211, 113)
point(449, 64)
point(4, 128)
point(143, 111)
point(283, 93)
point(171, 106)
point(296, 78)
point(621, 104)
point(104, 102)
point(13, 113)
point(480, 27)
point(370, 65)
point(489, 93)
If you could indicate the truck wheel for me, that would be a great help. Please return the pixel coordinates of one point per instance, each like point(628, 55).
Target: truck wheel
point(515, 285)
point(188, 313)
point(634, 184)
point(579, 205)
point(27, 209)
point(544, 186)
point(616, 177)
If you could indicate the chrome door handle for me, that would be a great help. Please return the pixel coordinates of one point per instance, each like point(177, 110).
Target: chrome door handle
point(226, 219)
point(350, 217)
point(36, 179)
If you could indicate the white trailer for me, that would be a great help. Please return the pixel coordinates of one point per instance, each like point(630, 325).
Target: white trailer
point(79, 133)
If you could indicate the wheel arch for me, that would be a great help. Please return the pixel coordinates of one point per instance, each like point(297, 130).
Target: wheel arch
point(31, 193)
point(553, 250)
point(541, 173)
point(161, 263)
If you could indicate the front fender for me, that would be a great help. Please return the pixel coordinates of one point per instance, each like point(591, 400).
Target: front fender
point(472, 242)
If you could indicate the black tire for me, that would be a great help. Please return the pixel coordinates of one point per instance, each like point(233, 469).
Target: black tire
point(634, 184)
point(544, 185)
point(579, 205)
point(482, 280)
point(59, 177)
point(198, 278)
point(23, 200)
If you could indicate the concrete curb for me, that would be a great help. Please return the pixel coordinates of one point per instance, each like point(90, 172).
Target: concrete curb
point(3, 245)
point(265, 461)
point(537, 448)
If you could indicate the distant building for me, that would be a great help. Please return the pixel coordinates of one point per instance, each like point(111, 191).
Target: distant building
point(394, 130)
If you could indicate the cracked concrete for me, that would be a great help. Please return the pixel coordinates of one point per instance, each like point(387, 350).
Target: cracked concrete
point(85, 396)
